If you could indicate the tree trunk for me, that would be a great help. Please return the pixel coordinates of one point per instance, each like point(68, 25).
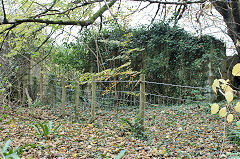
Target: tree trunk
point(231, 16)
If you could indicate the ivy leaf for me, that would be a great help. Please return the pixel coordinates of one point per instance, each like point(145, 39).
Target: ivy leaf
point(214, 108)
point(237, 107)
point(230, 118)
point(236, 70)
point(223, 112)
point(229, 96)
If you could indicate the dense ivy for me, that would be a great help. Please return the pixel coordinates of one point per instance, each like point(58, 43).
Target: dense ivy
point(164, 53)
point(173, 55)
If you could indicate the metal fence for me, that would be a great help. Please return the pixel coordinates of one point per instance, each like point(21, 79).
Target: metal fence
point(74, 99)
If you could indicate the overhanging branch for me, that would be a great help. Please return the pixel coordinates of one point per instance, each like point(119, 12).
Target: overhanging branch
point(46, 21)
point(61, 22)
point(173, 3)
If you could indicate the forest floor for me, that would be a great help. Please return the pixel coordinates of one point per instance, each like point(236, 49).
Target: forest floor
point(171, 132)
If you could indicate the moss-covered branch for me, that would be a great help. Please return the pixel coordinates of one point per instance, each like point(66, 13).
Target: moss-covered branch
point(61, 22)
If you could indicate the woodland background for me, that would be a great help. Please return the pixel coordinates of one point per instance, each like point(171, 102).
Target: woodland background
point(78, 81)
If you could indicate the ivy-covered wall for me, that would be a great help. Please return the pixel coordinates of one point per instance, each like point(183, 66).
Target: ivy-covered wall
point(164, 53)
point(174, 56)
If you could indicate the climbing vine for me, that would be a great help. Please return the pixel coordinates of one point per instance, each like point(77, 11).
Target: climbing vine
point(164, 53)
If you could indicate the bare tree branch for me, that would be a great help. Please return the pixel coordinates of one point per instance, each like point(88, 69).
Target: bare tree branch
point(109, 10)
point(169, 2)
point(181, 11)
point(9, 28)
point(114, 17)
point(1, 47)
point(144, 7)
point(156, 13)
point(4, 12)
point(67, 10)
point(39, 29)
point(47, 38)
point(47, 9)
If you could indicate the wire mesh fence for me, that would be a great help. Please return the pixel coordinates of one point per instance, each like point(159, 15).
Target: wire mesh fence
point(161, 94)
point(74, 99)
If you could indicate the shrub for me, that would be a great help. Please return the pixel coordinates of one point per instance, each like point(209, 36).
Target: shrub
point(224, 87)
point(135, 127)
point(8, 152)
point(46, 129)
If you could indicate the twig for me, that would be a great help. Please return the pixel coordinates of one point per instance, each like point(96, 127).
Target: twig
point(112, 14)
point(155, 14)
point(47, 9)
point(48, 37)
point(220, 73)
point(4, 12)
point(224, 136)
point(67, 10)
point(9, 28)
point(4, 40)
